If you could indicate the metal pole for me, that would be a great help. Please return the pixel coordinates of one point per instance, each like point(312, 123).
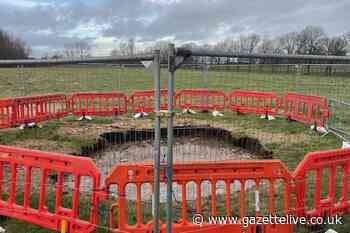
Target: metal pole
point(169, 176)
point(157, 136)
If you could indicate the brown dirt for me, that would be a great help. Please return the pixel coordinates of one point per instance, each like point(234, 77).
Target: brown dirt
point(44, 145)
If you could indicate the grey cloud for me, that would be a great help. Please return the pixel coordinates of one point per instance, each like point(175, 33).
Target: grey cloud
point(185, 20)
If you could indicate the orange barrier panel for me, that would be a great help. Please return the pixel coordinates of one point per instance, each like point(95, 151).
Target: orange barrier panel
point(200, 99)
point(22, 170)
point(34, 109)
point(197, 173)
point(322, 165)
point(6, 113)
point(98, 104)
point(143, 101)
point(306, 108)
point(267, 103)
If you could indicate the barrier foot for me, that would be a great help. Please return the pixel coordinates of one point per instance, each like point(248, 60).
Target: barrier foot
point(188, 111)
point(267, 117)
point(217, 114)
point(30, 126)
point(140, 115)
point(319, 129)
point(85, 118)
point(346, 145)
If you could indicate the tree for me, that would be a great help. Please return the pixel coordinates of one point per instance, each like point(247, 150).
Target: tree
point(125, 48)
point(267, 46)
point(162, 45)
point(80, 49)
point(309, 40)
point(12, 47)
point(336, 46)
point(347, 36)
point(248, 43)
point(288, 42)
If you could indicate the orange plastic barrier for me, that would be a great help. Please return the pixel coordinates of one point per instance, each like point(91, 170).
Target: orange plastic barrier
point(23, 170)
point(34, 109)
point(267, 103)
point(98, 104)
point(143, 101)
point(197, 173)
point(306, 108)
point(200, 99)
point(6, 113)
point(319, 164)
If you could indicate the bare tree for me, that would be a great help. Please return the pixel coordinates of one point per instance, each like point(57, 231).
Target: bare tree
point(163, 47)
point(288, 42)
point(248, 43)
point(131, 47)
point(335, 46)
point(267, 46)
point(310, 40)
point(83, 49)
point(125, 48)
point(79, 49)
point(12, 47)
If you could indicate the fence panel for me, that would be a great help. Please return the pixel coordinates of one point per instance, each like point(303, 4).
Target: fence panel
point(338, 122)
point(201, 99)
point(267, 103)
point(335, 163)
point(18, 204)
point(143, 101)
point(199, 173)
point(34, 109)
point(6, 113)
point(98, 104)
point(306, 108)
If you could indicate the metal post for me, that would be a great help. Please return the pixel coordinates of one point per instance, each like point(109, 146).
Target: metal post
point(157, 136)
point(169, 171)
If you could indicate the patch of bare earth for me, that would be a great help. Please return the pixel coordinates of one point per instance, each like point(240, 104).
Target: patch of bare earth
point(44, 145)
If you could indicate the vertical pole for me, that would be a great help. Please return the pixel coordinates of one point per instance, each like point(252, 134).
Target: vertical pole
point(156, 191)
point(170, 137)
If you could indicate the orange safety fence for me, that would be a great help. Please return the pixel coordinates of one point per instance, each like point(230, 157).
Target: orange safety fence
point(325, 175)
point(200, 99)
point(209, 188)
point(306, 108)
point(266, 103)
point(143, 101)
point(6, 113)
point(24, 110)
point(23, 170)
point(98, 104)
point(34, 109)
point(196, 173)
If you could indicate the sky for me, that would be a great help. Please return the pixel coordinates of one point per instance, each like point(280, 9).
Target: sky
point(46, 25)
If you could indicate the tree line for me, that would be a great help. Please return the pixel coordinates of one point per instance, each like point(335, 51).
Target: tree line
point(12, 47)
point(312, 40)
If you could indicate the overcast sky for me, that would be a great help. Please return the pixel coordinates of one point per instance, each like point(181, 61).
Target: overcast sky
point(46, 25)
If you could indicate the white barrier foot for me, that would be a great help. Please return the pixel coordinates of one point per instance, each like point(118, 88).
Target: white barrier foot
point(268, 117)
point(188, 111)
point(217, 114)
point(140, 115)
point(85, 118)
point(346, 145)
point(319, 129)
point(30, 126)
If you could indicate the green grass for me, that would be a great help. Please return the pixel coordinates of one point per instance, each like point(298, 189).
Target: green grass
point(289, 141)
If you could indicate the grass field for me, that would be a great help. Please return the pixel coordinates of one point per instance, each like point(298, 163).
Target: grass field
point(289, 141)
